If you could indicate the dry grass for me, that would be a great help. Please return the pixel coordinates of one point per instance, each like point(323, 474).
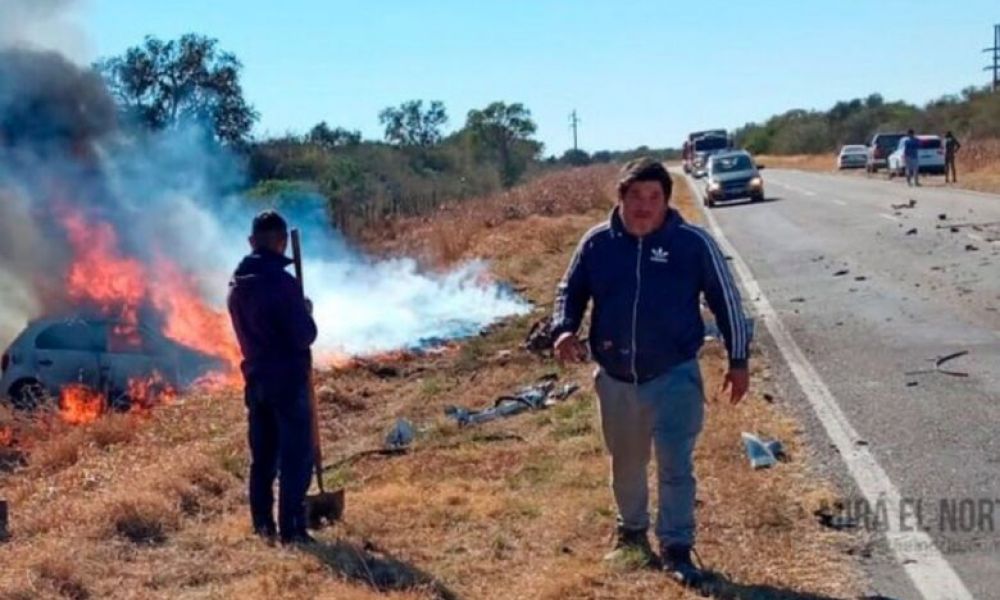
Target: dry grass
point(978, 165)
point(517, 508)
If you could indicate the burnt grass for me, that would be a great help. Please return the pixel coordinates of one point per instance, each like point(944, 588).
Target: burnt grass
point(153, 506)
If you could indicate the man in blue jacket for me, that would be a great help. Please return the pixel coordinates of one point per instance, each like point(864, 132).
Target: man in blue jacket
point(645, 271)
point(911, 158)
point(275, 329)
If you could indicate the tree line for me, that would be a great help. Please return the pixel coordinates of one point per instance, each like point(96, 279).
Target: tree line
point(972, 114)
point(415, 167)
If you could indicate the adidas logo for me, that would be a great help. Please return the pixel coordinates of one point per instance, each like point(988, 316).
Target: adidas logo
point(659, 255)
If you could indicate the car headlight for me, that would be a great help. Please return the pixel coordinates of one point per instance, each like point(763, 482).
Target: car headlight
point(756, 182)
point(714, 185)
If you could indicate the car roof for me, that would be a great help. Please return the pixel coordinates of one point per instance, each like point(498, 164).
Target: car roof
point(846, 146)
point(730, 154)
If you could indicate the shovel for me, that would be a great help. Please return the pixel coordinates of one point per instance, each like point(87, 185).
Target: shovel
point(324, 507)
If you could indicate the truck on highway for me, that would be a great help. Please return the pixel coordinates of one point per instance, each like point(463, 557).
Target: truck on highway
point(701, 146)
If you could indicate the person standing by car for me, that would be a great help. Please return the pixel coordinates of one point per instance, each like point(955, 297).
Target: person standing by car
point(951, 148)
point(645, 270)
point(275, 328)
point(911, 158)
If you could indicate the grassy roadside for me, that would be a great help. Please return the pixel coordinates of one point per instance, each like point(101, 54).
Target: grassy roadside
point(152, 506)
point(978, 166)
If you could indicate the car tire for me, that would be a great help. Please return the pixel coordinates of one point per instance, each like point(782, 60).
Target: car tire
point(757, 198)
point(29, 395)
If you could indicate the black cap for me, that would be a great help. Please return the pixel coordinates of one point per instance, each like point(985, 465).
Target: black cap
point(269, 221)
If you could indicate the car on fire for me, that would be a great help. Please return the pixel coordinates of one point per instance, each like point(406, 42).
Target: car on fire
point(102, 354)
point(733, 175)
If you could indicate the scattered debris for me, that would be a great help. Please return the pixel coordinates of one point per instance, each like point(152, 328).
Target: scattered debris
point(536, 397)
point(768, 398)
point(860, 442)
point(841, 272)
point(941, 361)
point(798, 299)
point(971, 248)
point(860, 278)
point(954, 229)
point(911, 231)
point(827, 518)
point(911, 204)
point(818, 258)
point(762, 454)
point(539, 339)
point(912, 384)
point(942, 217)
point(400, 436)
point(976, 226)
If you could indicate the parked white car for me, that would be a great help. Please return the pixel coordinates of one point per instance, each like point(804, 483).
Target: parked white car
point(852, 156)
point(930, 156)
point(54, 352)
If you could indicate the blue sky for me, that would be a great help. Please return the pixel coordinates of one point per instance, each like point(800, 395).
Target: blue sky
point(638, 72)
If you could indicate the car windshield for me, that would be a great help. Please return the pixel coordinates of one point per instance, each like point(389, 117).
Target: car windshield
point(711, 143)
point(728, 164)
point(853, 149)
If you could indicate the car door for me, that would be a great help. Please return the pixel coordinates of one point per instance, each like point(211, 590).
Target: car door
point(68, 352)
point(128, 356)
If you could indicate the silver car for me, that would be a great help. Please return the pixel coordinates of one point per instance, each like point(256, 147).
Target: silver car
point(102, 354)
point(852, 156)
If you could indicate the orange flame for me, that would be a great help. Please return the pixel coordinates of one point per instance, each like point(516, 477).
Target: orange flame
point(147, 392)
point(80, 404)
point(119, 286)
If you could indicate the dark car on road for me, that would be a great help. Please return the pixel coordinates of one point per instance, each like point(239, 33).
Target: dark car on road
point(731, 176)
point(879, 149)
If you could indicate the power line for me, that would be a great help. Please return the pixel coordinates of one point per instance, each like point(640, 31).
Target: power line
point(573, 122)
point(995, 67)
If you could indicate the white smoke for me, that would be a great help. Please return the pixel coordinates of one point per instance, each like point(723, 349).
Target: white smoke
point(44, 25)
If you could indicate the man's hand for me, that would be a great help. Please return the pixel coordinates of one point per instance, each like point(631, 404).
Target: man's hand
point(738, 380)
point(568, 348)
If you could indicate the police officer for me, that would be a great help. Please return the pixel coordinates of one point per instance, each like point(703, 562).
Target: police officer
point(275, 329)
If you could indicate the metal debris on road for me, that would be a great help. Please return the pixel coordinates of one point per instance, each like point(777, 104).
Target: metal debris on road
point(860, 278)
point(911, 204)
point(912, 231)
point(942, 217)
point(762, 454)
point(939, 362)
point(841, 272)
point(971, 248)
point(400, 436)
point(536, 397)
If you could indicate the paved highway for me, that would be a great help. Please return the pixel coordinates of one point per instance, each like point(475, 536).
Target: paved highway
point(871, 281)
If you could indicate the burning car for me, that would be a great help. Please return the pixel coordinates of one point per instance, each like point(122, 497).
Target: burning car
point(119, 363)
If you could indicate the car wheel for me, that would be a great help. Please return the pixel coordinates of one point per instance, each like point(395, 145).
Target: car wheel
point(757, 198)
point(29, 395)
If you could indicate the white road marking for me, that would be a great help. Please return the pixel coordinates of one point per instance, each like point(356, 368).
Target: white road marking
point(839, 202)
point(914, 550)
point(890, 217)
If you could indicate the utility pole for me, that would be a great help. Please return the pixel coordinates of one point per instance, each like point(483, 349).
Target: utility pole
point(573, 122)
point(995, 67)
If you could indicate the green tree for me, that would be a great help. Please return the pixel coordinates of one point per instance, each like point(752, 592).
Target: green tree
point(575, 158)
point(322, 135)
point(161, 84)
point(504, 131)
point(410, 125)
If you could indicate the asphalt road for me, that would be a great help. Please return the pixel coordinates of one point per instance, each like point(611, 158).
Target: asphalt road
point(871, 293)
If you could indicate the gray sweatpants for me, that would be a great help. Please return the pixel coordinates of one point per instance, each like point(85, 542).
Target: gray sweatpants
point(666, 413)
point(912, 166)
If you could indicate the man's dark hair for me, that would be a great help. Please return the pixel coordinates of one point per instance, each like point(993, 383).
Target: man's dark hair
point(909, 132)
point(644, 169)
point(269, 222)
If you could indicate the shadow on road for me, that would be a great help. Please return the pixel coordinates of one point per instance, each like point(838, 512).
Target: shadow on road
point(747, 203)
point(378, 569)
point(717, 585)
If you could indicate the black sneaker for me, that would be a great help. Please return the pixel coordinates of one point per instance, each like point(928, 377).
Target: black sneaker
point(677, 563)
point(268, 533)
point(632, 548)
